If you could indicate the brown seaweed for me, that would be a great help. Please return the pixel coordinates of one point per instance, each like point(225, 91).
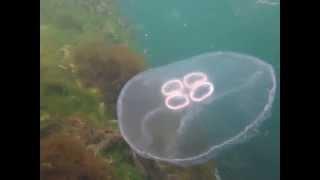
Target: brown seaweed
point(107, 68)
point(65, 157)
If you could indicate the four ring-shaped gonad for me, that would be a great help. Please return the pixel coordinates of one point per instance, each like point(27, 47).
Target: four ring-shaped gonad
point(186, 89)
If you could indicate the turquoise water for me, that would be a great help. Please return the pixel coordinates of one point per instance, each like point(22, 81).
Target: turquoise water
point(172, 30)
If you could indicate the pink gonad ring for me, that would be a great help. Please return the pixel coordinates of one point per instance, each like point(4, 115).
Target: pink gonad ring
point(169, 101)
point(189, 80)
point(172, 86)
point(174, 90)
point(197, 86)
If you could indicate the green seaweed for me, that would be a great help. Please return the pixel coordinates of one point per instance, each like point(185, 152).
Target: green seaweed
point(64, 24)
point(67, 103)
point(65, 157)
point(107, 68)
point(81, 17)
point(122, 161)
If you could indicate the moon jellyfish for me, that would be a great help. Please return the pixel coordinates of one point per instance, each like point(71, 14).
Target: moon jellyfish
point(190, 111)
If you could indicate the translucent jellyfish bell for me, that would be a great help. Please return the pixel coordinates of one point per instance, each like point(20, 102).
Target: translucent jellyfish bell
point(190, 111)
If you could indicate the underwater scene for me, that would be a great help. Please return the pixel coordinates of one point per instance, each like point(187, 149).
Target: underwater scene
point(159, 90)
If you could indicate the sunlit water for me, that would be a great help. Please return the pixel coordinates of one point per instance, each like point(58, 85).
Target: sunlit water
point(170, 30)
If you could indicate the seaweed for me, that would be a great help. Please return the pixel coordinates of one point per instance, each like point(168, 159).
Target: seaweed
point(107, 67)
point(96, 144)
point(64, 24)
point(76, 122)
point(121, 158)
point(65, 157)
